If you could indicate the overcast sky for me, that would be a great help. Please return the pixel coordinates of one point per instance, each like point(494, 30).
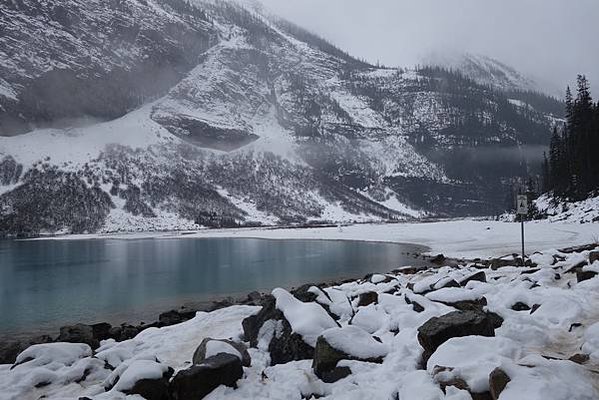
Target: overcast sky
point(551, 40)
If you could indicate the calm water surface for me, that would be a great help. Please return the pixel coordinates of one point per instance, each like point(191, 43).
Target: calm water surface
point(46, 284)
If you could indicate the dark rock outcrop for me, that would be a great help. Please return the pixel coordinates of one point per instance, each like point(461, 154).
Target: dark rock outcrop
point(199, 356)
point(197, 381)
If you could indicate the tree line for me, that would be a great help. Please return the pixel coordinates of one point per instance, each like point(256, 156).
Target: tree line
point(571, 171)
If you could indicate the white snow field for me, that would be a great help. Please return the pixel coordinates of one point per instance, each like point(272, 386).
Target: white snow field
point(465, 238)
point(548, 316)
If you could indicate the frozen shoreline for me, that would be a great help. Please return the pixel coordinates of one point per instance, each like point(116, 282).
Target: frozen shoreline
point(464, 238)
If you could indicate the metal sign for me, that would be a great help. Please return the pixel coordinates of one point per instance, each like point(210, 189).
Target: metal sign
point(522, 205)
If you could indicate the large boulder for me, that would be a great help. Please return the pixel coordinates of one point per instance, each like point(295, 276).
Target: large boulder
point(198, 381)
point(478, 277)
point(10, 350)
point(253, 324)
point(146, 378)
point(287, 326)
point(347, 343)
point(79, 333)
point(101, 331)
point(211, 347)
point(438, 330)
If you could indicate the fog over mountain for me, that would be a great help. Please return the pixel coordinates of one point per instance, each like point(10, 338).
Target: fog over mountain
point(552, 40)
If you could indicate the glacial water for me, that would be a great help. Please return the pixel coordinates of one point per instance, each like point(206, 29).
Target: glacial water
point(49, 283)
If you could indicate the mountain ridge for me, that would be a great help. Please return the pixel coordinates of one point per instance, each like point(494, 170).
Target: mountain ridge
point(269, 125)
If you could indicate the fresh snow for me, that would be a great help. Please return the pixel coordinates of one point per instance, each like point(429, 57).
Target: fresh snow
point(214, 347)
point(7, 91)
point(71, 148)
point(355, 342)
point(137, 370)
point(308, 320)
point(484, 354)
point(458, 238)
point(584, 211)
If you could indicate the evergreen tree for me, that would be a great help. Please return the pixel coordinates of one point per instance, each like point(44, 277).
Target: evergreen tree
point(573, 168)
point(546, 181)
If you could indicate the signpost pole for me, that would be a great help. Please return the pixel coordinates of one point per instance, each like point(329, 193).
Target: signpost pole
point(522, 222)
point(522, 211)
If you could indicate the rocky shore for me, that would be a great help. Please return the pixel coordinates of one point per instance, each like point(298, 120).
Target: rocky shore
point(465, 329)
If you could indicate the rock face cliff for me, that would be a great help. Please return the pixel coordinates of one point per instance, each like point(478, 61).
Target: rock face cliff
point(167, 114)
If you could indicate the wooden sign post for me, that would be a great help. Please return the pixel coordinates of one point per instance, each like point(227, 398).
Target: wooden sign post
point(522, 211)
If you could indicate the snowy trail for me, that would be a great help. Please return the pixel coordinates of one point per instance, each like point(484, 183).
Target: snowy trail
point(460, 238)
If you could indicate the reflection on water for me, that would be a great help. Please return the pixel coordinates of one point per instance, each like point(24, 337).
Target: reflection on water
point(49, 283)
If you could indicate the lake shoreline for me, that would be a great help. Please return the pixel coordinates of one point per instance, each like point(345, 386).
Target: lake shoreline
point(184, 312)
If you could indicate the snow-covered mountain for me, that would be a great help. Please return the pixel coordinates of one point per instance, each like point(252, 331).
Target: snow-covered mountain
point(483, 70)
point(164, 114)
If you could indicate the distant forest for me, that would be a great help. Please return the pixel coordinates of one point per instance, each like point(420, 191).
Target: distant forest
point(572, 169)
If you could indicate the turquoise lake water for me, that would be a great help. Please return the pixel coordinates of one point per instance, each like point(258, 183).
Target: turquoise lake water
point(49, 283)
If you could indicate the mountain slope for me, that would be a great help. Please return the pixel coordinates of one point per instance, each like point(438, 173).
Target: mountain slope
point(255, 121)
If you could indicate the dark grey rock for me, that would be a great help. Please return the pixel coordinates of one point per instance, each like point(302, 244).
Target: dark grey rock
point(153, 389)
point(438, 330)
point(326, 358)
point(198, 381)
point(580, 358)
point(368, 298)
point(585, 275)
point(78, 333)
point(519, 306)
point(175, 317)
point(199, 356)
point(286, 346)
point(479, 277)
point(252, 324)
point(101, 331)
point(498, 380)
point(302, 293)
point(10, 350)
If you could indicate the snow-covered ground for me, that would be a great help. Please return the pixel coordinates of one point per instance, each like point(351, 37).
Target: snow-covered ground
point(548, 316)
point(584, 211)
point(459, 238)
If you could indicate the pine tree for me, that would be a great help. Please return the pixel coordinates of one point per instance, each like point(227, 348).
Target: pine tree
point(573, 168)
point(546, 183)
